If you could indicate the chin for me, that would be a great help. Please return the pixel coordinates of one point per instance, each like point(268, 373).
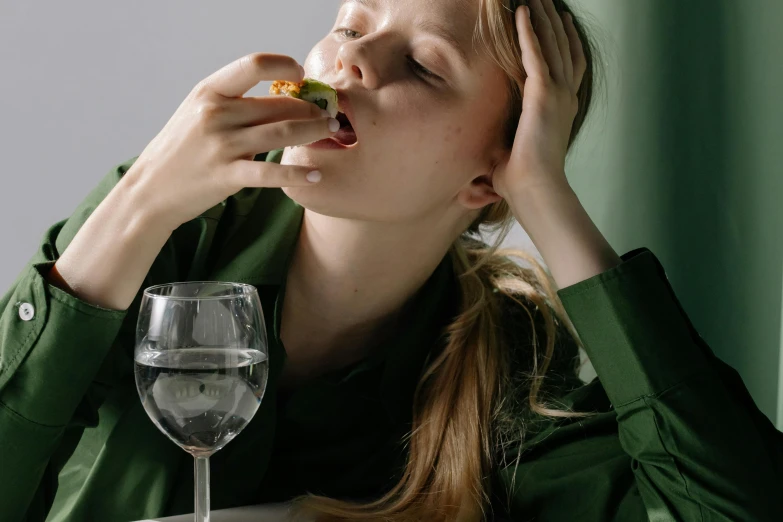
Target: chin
point(317, 200)
point(329, 196)
point(325, 201)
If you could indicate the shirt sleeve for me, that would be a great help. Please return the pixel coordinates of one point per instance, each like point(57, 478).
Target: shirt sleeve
point(699, 447)
point(52, 345)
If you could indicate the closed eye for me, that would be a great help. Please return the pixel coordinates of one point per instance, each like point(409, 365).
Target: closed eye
point(416, 66)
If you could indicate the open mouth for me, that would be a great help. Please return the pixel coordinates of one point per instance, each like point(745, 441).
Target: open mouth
point(346, 135)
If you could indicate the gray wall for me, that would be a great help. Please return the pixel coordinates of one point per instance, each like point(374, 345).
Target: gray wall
point(87, 84)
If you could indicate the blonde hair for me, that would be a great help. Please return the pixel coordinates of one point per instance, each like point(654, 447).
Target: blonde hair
point(462, 411)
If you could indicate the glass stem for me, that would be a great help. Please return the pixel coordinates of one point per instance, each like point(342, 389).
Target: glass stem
point(201, 466)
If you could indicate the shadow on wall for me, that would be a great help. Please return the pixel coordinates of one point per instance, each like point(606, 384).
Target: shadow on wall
point(708, 208)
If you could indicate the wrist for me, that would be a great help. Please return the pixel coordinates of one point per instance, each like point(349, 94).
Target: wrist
point(137, 201)
point(109, 257)
point(531, 202)
point(53, 277)
point(558, 225)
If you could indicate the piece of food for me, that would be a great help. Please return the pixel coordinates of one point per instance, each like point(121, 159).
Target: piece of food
point(310, 90)
point(322, 95)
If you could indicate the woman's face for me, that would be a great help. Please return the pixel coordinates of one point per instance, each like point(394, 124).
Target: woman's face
point(422, 139)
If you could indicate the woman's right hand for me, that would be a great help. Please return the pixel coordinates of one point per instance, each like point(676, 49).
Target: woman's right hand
point(205, 152)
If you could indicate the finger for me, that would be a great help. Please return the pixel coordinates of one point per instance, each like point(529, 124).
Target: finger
point(249, 173)
point(259, 110)
point(285, 133)
point(241, 75)
point(563, 48)
point(532, 56)
point(577, 53)
point(546, 35)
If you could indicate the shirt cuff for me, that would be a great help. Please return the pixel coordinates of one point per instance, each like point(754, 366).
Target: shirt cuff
point(633, 328)
point(52, 345)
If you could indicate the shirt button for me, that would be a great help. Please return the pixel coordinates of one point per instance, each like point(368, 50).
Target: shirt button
point(26, 311)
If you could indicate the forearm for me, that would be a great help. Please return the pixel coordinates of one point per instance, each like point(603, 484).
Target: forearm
point(106, 262)
point(571, 245)
point(701, 447)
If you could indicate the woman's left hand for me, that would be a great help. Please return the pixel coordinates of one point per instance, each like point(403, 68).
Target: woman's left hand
point(554, 62)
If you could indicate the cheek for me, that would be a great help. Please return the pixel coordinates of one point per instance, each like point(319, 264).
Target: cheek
point(457, 143)
point(317, 60)
point(446, 141)
point(453, 135)
point(431, 157)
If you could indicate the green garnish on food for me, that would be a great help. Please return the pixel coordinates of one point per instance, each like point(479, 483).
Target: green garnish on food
point(311, 90)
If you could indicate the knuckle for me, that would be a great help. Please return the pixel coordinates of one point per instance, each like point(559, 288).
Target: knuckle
point(201, 89)
point(208, 111)
point(240, 177)
point(256, 60)
point(289, 176)
point(240, 173)
point(246, 64)
point(226, 140)
point(286, 129)
point(263, 175)
point(225, 179)
point(218, 143)
point(211, 109)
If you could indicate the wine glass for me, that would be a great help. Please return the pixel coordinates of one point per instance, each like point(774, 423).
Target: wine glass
point(201, 364)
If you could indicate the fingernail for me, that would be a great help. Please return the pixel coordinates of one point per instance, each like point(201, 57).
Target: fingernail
point(325, 113)
point(529, 15)
point(334, 125)
point(314, 176)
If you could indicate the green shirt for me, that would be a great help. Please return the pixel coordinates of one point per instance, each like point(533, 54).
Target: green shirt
point(676, 436)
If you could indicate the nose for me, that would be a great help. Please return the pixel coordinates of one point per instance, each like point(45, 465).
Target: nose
point(354, 61)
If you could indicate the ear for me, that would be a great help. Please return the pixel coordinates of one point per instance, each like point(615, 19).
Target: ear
point(478, 193)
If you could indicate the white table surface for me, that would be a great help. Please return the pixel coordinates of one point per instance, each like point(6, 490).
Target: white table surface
point(261, 513)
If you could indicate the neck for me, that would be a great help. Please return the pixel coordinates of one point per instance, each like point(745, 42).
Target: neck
point(349, 280)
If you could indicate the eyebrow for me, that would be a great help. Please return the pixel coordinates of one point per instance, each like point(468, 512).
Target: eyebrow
point(427, 26)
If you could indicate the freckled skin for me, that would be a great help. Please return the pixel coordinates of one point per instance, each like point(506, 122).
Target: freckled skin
point(413, 157)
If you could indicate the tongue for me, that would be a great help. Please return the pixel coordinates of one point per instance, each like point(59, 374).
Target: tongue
point(345, 136)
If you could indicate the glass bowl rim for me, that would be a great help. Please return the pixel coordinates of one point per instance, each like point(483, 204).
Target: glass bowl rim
point(247, 287)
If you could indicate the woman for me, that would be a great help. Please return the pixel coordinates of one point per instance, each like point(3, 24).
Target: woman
point(416, 374)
